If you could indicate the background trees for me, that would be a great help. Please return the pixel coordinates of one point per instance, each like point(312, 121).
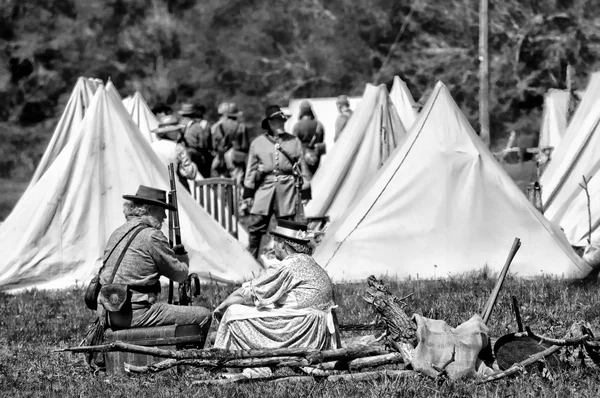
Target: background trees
point(260, 51)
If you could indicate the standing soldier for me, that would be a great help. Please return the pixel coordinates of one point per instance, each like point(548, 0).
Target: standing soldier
point(197, 136)
point(230, 143)
point(275, 168)
point(170, 148)
point(343, 105)
point(311, 133)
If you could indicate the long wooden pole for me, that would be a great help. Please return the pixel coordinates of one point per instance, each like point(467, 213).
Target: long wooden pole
point(489, 306)
point(484, 69)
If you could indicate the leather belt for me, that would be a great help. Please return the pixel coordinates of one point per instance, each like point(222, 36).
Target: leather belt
point(146, 289)
point(277, 172)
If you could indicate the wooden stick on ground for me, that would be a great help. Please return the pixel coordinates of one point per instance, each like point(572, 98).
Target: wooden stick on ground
point(557, 342)
point(292, 361)
point(313, 356)
point(361, 376)
point(401, 331)
point(518, 367)
point(489, 306)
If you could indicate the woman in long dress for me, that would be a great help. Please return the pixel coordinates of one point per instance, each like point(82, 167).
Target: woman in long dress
point(290, 305)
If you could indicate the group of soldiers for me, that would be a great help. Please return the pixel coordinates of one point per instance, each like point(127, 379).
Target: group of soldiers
point(274, 170)
point(200, 149)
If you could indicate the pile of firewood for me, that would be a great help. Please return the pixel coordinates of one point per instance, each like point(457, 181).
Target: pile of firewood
point(395, 346)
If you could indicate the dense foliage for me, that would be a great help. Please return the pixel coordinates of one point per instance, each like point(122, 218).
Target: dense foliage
point(260, 51)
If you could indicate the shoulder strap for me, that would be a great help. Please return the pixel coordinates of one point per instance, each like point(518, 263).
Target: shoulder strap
point(135, 233)
point(114, 247)
point(280, 149)
point(189, 124)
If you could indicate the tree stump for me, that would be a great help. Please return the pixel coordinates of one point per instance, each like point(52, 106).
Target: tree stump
point(400, 330)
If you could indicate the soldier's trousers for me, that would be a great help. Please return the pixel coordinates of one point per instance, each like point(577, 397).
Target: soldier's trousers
point(258, 226)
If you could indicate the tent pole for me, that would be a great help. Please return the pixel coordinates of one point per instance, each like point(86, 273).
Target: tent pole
point(484, 66)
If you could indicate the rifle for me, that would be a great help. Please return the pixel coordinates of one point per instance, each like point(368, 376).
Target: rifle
point(191, 286)
point(300, 217)
point(174, 229)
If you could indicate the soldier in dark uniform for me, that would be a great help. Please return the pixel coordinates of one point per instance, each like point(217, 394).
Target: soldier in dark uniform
point(197, 136)
point(311, 133)
point(275, 160)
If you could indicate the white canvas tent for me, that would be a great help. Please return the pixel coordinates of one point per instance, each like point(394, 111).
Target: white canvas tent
point(578, 155)
point(443, 205)
point(56, 234)
point(69, 123)
point(142, 115)
point(128, 103)
point(372, 133)
point(325, 111)
point(404, 102)
point(554, 123)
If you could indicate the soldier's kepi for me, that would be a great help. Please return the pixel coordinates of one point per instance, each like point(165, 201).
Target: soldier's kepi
point(277, 179)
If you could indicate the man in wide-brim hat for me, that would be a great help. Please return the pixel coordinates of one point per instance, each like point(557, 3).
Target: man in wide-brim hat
point(274, 162)
point(196, 131)
point(230, 144)
point(170, 148)
point(147, 258)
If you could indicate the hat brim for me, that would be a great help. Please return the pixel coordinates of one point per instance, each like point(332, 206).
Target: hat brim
point(168, 129)
point(234, 114)
point(138, 199)
point(284, 236)
point(265, 122)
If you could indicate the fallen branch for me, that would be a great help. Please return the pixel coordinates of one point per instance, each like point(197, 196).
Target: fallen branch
point(218, 364)
point(359, 327)
point(592, 344)
point(379, 360)
point(313, 356)
point(290, 361)
point(361, 376)
point(392, 358)
point(584, 186)
point(557, 342)
point(315, 371)
point(441, 370)
point(400, 330)
point(591, 347)
point(519, 367)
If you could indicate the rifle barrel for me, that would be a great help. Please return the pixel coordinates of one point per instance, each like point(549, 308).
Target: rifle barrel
point(173, 201)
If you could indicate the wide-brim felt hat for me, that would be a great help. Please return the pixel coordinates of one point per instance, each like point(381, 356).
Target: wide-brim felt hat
point(233, 111)
point(187, 109)
point(152, 196)
point(292, 230)
point(168, 129)
point(272, 112)
point(168, 124)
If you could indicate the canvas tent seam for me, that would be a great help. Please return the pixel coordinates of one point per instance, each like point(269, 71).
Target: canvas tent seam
point(387, 183)
point(572, 166)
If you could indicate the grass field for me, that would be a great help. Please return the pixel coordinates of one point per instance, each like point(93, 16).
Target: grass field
point(33, 324)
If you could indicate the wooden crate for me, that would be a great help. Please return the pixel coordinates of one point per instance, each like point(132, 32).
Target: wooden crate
point(172, 337)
